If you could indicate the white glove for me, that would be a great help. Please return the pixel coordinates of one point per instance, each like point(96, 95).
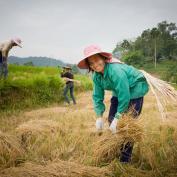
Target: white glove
point(99, 123)
point(113, 126)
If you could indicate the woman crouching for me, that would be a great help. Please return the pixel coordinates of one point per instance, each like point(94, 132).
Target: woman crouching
point(128, 86)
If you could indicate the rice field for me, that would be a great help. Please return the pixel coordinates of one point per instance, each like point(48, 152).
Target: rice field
point(62, 141)
point(29, 87)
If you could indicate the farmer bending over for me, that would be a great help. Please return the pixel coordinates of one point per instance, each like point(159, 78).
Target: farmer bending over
point(68, 77)
point(127, 84)
point(5, 47)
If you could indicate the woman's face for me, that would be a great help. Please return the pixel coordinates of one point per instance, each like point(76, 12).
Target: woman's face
point(96, 63)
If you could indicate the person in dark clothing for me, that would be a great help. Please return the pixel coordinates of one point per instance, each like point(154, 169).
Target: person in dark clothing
point(69, 84)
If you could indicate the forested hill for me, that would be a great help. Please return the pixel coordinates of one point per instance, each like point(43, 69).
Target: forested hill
point(36, 61)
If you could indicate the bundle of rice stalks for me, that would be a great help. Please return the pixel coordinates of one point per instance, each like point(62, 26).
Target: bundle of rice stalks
point(37, 128)
point(108, 146)
point(163, 92)
point(10, 149)
point(55, 169)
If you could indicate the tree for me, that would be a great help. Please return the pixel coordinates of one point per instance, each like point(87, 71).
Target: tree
point(168, 35)
point(126, 44)
point(155, 44)
point(154, 34)
point(134, 58)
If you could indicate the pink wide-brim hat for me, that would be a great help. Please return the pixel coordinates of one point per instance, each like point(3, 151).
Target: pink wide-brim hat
point(17, 41)
point(92, 50)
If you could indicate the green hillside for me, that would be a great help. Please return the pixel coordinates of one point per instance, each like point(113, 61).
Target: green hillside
point(36, 61)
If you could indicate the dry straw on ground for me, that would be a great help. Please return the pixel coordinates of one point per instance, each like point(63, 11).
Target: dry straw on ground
point(108, 146)
point(10, 149)
point(38, 128)
point(55, 169)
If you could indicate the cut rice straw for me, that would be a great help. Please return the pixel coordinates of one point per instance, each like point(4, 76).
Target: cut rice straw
point(162, 91)
point(35, 132)
point(55, 169)
point(38, 126)
point(10, 149)
point(108, 146)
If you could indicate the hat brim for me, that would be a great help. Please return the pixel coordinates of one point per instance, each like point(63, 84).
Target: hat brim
point(65, 67)
point(18, 44)
point(83, 64)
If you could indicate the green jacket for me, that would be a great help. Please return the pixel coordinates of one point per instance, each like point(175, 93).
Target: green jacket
point(124, 81)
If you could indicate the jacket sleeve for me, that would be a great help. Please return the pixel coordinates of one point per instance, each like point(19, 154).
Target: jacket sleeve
point(98, 98)
point(4, 55)
point(5, 51)
point(121, 89)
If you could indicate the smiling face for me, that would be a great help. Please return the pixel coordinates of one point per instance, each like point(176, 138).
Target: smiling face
point(96, 63)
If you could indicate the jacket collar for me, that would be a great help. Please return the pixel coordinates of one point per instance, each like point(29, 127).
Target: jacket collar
point(105, 70)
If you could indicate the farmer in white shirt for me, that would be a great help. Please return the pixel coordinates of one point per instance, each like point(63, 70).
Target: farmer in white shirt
point(5, 47)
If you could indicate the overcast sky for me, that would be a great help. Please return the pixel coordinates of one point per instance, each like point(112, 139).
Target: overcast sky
point(62, 28)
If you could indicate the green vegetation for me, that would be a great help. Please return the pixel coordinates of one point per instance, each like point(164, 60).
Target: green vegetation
point(29, 86)
point(36, 61)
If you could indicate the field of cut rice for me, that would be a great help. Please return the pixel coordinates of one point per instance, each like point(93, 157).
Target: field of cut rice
point(62, 142)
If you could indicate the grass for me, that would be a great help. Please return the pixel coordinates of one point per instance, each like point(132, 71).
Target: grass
point(161, 69)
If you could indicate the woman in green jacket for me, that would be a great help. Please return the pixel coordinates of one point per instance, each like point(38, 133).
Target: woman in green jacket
point(127, 84)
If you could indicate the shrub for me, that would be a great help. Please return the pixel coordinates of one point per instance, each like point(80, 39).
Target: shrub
point(134, 58)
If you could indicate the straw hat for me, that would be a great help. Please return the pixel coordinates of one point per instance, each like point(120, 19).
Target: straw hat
point(89, 51)
point(17, 41)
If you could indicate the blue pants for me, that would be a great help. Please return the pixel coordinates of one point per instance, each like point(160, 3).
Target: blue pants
point(135, 105)
point(69, 87)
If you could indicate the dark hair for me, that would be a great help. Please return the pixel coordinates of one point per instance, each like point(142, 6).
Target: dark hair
point(87, 62)
point(89, 68)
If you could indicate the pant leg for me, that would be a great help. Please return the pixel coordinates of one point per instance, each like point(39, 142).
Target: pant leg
point(5, 70)
point(65, 93)
point(113, 109)
point(72, 93)
point(1, 70)
point(1, 65)
point(135, 106)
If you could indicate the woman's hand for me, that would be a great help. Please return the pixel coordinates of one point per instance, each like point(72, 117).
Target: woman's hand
point(113, 126)
point(99, 123)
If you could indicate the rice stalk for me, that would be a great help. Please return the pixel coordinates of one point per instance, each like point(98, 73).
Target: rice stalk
point(162, 91)
point(10, 149)
point(55, 169)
